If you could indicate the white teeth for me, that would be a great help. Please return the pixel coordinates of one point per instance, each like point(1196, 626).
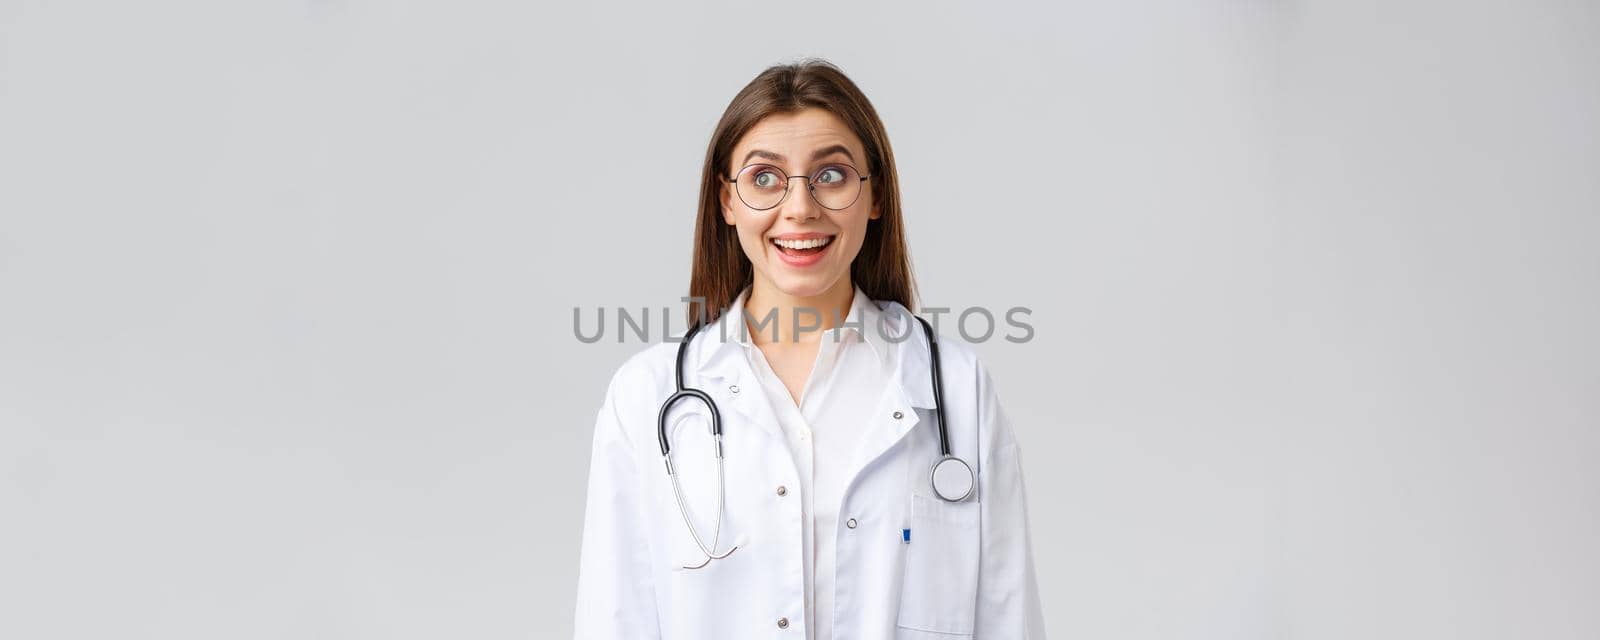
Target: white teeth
point(802, 244)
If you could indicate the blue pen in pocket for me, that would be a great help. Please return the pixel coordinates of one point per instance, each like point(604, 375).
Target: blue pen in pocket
point(905, 536)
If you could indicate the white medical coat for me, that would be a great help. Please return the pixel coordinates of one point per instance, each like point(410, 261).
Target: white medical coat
point(967, 571)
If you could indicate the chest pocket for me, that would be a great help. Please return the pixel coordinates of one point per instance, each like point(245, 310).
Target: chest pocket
point(938, 593)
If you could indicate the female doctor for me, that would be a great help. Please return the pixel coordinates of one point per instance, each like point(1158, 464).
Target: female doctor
point(774, 475)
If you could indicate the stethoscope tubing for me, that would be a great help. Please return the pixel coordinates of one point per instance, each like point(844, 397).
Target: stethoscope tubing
point(938, 387)
point(682, 393)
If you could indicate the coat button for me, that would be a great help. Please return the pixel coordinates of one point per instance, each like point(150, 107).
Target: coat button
point(782, 491)
point(898, 415)
point(734, 388)
point(783, 623)
point(850, 523)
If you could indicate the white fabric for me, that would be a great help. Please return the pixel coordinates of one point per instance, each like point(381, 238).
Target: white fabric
point(967, 572)
point(823, 430)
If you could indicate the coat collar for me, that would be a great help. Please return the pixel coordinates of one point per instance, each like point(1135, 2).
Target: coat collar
point(887, 326)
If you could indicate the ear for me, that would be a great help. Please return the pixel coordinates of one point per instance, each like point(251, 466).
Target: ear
point(726, 197)
point(875, 213)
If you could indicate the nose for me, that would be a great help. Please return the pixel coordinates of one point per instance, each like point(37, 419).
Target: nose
point(799, 205)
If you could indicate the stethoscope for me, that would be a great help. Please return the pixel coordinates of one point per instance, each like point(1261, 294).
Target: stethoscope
point(951, 477)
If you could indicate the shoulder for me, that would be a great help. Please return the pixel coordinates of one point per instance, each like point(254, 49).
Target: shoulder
point(968, 386)
point(635, 390)
point(957, 357)
point(643, 374)
point(964, 368)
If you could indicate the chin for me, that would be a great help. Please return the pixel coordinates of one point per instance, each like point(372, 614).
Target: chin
point(804, 285)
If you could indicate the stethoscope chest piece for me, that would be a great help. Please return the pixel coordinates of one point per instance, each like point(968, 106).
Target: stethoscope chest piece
point(952, 479)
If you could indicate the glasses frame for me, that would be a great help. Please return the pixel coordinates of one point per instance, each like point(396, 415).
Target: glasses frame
point(789, 180)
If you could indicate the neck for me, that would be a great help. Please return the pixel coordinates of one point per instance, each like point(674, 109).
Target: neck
point(797, 318)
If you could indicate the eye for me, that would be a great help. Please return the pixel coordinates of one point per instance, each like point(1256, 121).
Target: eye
point(830, 175)
point(766, 179)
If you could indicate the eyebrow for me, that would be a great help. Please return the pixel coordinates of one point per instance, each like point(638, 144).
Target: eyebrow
point(820, 154)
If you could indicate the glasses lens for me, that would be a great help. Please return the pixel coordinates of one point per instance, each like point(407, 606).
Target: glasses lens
point(836, 186)
point(761, 186)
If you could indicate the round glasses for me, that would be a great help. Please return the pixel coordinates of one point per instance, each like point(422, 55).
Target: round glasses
point(835, 185)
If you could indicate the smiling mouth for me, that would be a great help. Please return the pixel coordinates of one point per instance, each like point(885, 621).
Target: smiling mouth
point(800, 248)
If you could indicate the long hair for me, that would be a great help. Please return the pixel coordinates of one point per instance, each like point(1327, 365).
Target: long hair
point(721, 270)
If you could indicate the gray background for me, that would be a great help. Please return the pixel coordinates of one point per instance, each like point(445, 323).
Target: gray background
point(286, 294)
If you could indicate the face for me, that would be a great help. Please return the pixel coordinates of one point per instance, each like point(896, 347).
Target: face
point(799, 247)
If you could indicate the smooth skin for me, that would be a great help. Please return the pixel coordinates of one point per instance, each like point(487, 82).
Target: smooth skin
point(788, 141)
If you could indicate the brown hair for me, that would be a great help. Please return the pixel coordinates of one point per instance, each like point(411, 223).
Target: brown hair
point(721, 270)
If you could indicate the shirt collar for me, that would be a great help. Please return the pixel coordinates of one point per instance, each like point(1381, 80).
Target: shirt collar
point(893, 333)
point(864, 322)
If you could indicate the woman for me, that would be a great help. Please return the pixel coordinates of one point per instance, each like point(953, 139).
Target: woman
point(823, 518)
